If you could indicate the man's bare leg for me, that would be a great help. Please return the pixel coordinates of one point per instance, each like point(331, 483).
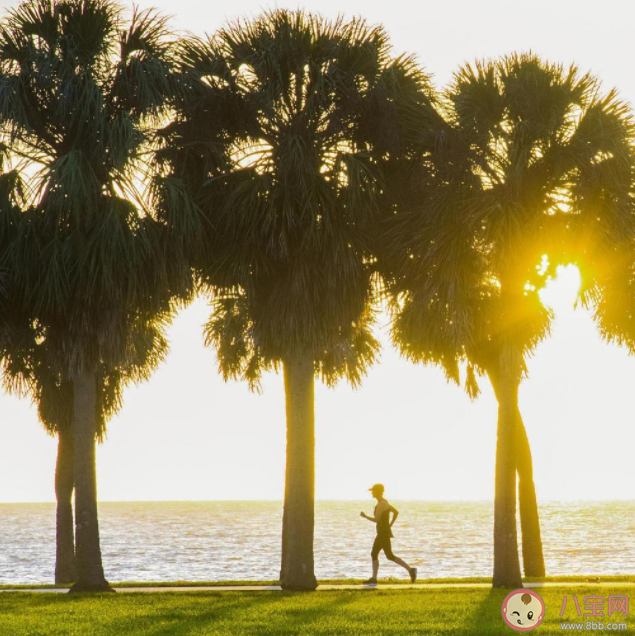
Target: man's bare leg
point(373, 579)
point(411, 571)
point(400, 562)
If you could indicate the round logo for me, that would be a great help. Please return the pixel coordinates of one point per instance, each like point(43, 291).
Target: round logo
point(523, 610)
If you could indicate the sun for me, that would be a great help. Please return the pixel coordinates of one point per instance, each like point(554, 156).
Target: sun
point(561, 292)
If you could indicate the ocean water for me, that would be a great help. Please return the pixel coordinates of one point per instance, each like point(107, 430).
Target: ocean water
point(166, 541)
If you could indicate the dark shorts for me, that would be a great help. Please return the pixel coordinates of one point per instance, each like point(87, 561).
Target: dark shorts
point(382, 543)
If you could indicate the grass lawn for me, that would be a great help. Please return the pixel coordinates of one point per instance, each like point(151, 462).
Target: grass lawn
point(472, 612)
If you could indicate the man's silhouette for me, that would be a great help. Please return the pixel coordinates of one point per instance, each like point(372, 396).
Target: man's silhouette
point(384, 534)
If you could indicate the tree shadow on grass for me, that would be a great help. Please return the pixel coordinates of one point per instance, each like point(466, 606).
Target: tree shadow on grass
point(326, 613)
point(201, 613)
point(486, 618)
point(134, 614)
point(261, 614)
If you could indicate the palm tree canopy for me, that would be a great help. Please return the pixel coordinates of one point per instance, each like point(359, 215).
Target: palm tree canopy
point(282, 142)
point(12, 198)
point(80, 90)
point(29, 369)
point(535, 160)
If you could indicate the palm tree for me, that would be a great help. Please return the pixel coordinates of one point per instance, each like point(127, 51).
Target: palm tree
point(281, 143)
point(523, 138)
point(28, 372)
point(80, 91)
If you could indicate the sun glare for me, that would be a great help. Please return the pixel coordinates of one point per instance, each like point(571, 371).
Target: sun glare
point(561, 292)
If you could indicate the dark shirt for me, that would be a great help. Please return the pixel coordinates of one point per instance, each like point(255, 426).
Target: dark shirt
point(383, 524)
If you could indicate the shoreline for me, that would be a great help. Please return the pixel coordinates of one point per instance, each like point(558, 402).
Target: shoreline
point(387, 583)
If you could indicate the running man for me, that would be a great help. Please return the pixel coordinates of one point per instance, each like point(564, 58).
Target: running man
point(384, 534)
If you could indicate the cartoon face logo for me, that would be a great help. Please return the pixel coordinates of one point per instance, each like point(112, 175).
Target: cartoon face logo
point(523, 610)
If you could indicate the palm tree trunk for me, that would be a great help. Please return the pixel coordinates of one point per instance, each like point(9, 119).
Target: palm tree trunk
point(297, 570)
point(506, 560)
point(64, 484)
point(533, 558)
point(90, 572)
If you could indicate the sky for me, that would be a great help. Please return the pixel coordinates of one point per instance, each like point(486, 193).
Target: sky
point(187, 435)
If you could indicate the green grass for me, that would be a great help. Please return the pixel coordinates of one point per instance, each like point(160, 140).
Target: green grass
point(474, 612)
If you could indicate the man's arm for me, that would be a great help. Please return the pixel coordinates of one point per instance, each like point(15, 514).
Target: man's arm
point(395, 514)
point(379, 510)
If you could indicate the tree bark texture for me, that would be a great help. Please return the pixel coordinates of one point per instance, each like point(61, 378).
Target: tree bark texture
point(64, 484)
point(90, 571)
point(297, 568)
point(506, 558)
point(533, 557)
